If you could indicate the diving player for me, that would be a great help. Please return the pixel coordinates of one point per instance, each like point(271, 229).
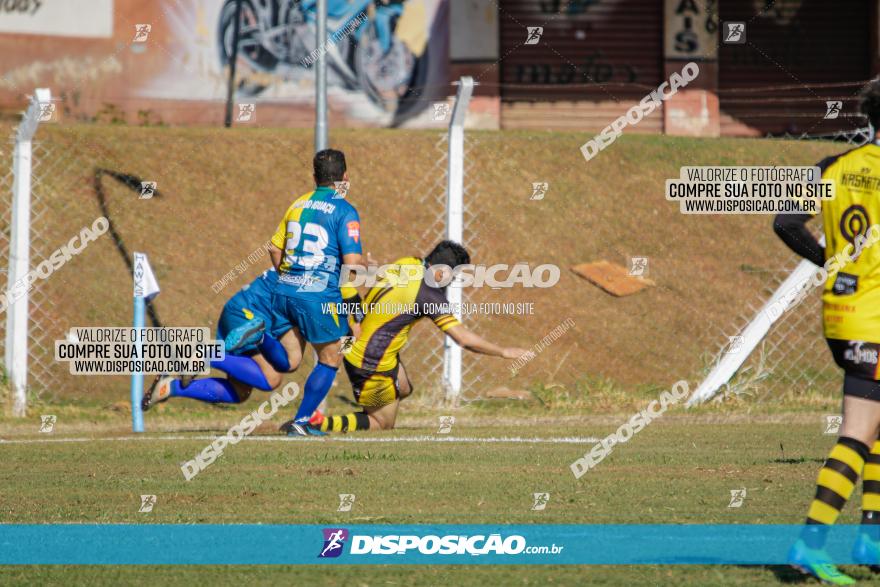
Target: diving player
point(851, 313)
point(391, 307)
point(260, 348)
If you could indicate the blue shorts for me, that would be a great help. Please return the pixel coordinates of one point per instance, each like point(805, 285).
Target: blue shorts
point(238, 312)
point(315, 317)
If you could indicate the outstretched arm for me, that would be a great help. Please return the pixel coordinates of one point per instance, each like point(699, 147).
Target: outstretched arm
point(477, 344)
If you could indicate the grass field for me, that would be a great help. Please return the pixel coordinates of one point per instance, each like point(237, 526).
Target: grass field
point(679, 470)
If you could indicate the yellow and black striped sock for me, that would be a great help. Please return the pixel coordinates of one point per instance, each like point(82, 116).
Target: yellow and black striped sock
point(835, 485)
point(871, 490)
point(346, 423)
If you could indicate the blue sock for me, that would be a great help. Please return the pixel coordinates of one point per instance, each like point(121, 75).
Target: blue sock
point(213, 391)
point(317, 386)
point(275, 353)
point(245, 369)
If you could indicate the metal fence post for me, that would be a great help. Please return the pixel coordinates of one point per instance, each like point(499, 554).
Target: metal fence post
point(16, 355)
point(455, 225)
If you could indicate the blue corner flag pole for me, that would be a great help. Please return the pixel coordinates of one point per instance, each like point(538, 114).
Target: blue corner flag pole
point(145, 289)
point(137, 379)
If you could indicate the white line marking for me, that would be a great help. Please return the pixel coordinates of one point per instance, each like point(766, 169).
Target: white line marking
point(452, 439)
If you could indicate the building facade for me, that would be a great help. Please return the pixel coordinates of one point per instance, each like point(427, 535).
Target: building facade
point(540, 64)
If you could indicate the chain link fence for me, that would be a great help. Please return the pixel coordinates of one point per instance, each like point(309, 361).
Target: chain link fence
point(79, 176)
point(793, 358)
point(427, 349)
point(196, 234)
point(53, 213)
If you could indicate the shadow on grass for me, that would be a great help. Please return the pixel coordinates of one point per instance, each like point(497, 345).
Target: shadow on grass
point(797, 461)
point(786, 574)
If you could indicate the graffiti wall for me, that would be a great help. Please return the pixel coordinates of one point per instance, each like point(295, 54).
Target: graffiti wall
point(168, 60)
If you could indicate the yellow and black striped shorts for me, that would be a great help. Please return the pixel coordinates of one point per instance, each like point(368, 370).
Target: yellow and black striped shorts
point(373, 389)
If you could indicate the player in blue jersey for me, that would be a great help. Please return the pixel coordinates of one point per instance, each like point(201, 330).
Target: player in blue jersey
point(319, 233)
point(260, 348)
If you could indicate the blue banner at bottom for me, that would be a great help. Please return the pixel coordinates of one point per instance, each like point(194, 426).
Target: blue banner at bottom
point(223, 544)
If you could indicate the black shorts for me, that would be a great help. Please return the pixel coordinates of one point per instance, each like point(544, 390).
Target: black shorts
point(859, 361)
point(373, 389)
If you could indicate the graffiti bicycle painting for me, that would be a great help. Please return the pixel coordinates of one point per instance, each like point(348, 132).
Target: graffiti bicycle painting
point(378, 47)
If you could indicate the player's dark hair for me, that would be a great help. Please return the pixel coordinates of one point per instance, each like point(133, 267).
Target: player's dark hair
point(329, 166)
point(869, 103)
point(448, 253)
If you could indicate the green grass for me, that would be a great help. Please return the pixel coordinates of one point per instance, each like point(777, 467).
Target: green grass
point(679, 470)
point(408, 575)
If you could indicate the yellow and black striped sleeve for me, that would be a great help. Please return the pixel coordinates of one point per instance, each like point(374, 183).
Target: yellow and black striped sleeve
point(432, 302)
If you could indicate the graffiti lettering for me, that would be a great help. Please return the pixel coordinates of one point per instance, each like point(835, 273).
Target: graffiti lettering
point(692, 29)
point(781, 11)
point(571, 7)
point(595, 70)
point(29, 6)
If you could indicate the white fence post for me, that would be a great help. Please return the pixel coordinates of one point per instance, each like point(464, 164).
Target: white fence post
point(455, 224)
point(16, 353)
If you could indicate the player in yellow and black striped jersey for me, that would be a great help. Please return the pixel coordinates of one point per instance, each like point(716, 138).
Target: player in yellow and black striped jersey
point(851, 316)
point(403, 296)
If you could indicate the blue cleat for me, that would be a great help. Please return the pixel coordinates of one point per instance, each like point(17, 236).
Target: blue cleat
point(816, 563)
point(249, 333)
point(866, 552)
